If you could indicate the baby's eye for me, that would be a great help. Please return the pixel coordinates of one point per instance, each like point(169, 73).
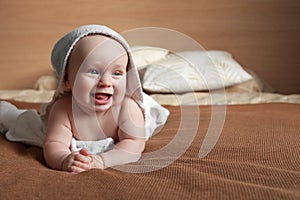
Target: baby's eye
point(93, 71)
point(117, 73)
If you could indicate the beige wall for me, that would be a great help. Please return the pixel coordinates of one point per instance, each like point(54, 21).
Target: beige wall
point(263, 35)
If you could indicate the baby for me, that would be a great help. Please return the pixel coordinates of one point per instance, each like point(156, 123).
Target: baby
point(96, 108)
point(99, 117)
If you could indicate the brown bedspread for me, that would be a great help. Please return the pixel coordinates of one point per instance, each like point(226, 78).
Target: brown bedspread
point(256, 157)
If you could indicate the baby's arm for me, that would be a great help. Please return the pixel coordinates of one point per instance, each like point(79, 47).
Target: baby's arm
point(58, 139)
point(131, 137)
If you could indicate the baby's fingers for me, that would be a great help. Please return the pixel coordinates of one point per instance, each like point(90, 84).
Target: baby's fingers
point(78, 167)
point(75, 170)
point(82, 158)
point(84, 152)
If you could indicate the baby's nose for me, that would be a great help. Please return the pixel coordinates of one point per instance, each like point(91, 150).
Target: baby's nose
point(104, 82)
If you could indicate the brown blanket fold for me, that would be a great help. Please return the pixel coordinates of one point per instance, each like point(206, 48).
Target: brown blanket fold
point(256, 157)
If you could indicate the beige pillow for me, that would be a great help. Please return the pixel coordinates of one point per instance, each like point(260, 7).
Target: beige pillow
point(144, 55)
point(46, 82)
point(193, 71)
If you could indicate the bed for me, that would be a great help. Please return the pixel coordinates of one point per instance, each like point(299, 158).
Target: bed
point(240, 141)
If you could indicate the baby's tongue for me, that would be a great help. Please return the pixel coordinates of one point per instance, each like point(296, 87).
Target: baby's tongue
point(101, 96)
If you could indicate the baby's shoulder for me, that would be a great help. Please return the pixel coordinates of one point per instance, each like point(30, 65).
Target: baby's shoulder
point(63, 103)
point(60, 112)
point(129, 103)
point(129, 106)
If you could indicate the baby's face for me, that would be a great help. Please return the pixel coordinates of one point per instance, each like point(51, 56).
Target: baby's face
point(97, 73)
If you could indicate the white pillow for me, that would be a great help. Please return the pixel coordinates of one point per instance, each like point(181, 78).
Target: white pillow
point(193, 71)
point(144, 55)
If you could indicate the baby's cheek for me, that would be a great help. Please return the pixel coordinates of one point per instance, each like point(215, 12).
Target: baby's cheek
point(82, 87)
point(122, 84)
point(118, 96)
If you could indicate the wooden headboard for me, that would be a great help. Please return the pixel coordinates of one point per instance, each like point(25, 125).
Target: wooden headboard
point(263, 35)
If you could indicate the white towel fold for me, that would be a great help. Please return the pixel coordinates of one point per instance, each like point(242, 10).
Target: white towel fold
point(94, 147)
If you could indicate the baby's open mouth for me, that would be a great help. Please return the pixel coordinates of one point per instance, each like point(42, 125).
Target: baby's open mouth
point(101, 98)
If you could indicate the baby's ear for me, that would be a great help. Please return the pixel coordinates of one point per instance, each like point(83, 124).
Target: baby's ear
point(67, 84)
point(66, 81)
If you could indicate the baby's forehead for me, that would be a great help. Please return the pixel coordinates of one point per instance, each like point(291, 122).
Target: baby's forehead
point(90, 42)
point(97, 48)
point(92, 38)
point(98, 43)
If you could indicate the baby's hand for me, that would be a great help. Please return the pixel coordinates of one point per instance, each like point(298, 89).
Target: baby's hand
point(96, 160)
point(77, 162)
